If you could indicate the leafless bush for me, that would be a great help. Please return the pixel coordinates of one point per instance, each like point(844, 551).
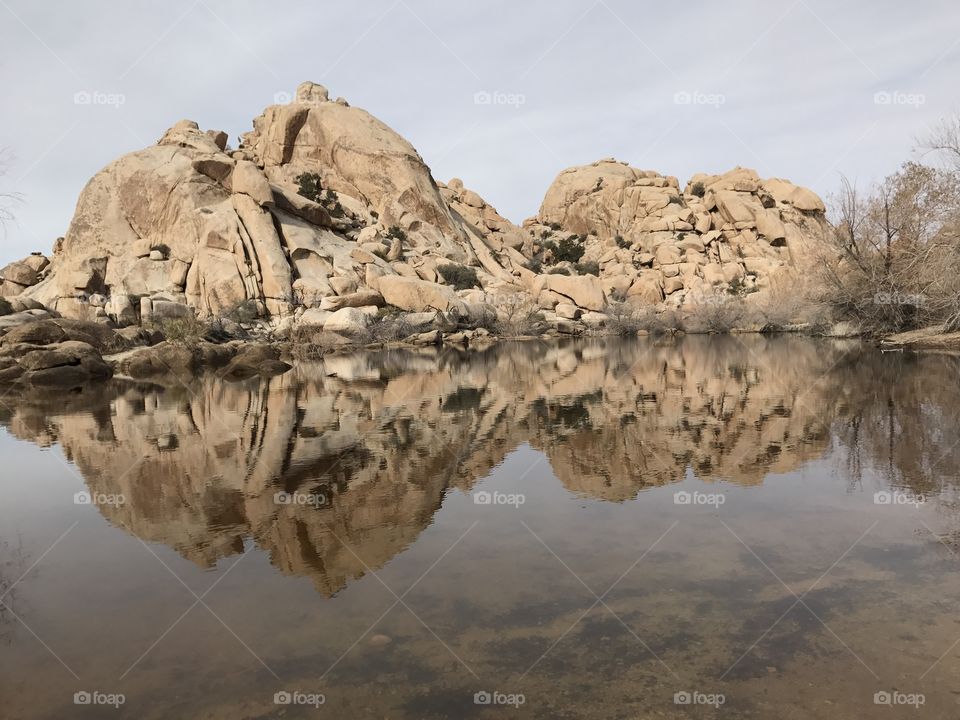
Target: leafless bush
point(517, 316)
point(187, 331)
point(893, 261)
point(387, 327)
point(786, 305)
point(720, 316)
point(624, 319)
point(7, 199)
point(664, 322)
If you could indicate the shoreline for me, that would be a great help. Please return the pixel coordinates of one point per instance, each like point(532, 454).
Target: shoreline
point(63, 353)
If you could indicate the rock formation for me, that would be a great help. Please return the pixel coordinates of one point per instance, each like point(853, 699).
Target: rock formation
point(323, 207)
point(654, 243)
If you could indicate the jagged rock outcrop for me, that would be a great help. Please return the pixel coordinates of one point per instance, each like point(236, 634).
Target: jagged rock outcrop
point(189, 222)
point(322, 200)
point(22, 274)
point(653, 242)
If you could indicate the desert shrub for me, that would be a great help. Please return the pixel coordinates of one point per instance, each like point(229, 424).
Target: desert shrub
point(387, 326)
point(569, 249)
point(739, 288)
point(590, 267)
point(460, 276)
point(187, 331)
point(534, 264)
point(331, 201)
point(623, 320)
point(309, 341)
point(787, 304)
point(720, 316)
point(554, 226)
point(664, 322)
point(621, 242)
point(558, 271)
point(698, 189)
point(891, 263)
point(5, 307)
point(308, 186)
point(519, 316)
point(397, 233)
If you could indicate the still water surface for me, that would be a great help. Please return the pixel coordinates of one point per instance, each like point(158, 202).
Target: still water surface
point(707, 527)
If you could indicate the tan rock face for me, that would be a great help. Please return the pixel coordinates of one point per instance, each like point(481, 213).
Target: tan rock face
point(356, 155)
point(415, 295)
point(629, 220)
point(213, 230)
point(189, 221)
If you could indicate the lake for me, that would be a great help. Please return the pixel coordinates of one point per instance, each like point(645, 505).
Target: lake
point(701, 527)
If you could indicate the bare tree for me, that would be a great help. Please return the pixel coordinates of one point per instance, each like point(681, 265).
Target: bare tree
point(944, 138)
point(7, 198)
point(894, 260)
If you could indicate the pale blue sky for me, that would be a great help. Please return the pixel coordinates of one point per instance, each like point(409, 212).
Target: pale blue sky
point(788, 88)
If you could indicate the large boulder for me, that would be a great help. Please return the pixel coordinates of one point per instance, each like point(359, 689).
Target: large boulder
point(584, 290)
point(414, 295)
point(347, 321)
point(20, 273)
point(64, 363)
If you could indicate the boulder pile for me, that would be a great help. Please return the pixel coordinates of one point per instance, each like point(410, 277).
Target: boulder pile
point(325, 217)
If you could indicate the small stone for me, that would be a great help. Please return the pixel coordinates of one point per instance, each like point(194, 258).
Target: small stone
point(379, 640)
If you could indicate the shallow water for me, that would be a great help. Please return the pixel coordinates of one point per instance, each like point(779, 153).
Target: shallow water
point(777, 583)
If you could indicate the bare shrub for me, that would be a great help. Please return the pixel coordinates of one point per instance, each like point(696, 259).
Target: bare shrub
point(187, 331)
point(893, 258)
point(387, 327)
point(720, 316)
point(664, 322)
point(518, 316)
point(624, 319)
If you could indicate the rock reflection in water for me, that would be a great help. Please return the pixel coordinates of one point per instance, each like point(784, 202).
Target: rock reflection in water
point(380, 437)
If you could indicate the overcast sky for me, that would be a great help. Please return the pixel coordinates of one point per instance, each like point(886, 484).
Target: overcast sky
point(501, 94)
